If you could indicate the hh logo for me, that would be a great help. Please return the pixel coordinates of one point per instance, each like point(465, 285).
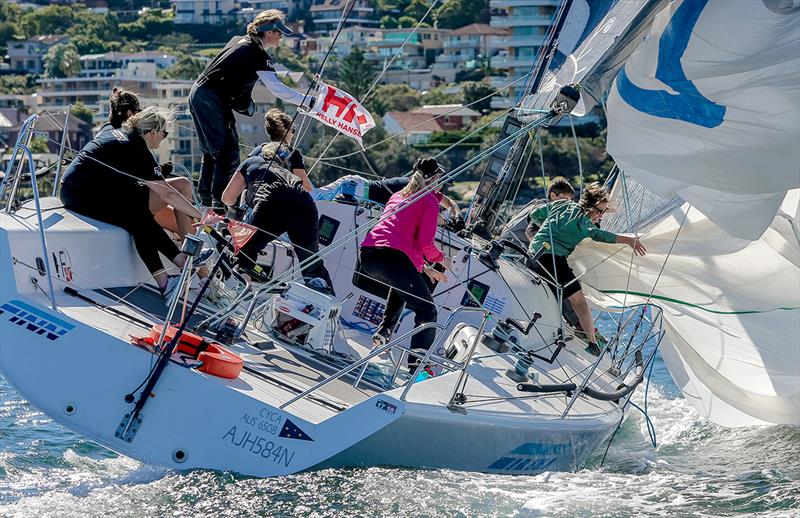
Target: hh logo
point(336, 108)
point(342, 103)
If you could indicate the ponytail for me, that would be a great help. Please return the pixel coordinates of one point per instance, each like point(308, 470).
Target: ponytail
point(414, 185)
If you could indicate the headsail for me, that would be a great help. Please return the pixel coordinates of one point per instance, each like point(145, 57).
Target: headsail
point(732, 308)
point(707, 108)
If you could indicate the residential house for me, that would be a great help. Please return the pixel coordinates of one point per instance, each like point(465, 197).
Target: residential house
point(466, 48)
point(78, 135)
point(450, 116)
point(27, 56)
point(528, 22)
point(416, 128)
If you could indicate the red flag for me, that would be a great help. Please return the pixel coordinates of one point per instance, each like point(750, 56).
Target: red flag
point(240, 232)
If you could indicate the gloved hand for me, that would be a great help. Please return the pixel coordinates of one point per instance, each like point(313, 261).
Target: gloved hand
point(166, 169)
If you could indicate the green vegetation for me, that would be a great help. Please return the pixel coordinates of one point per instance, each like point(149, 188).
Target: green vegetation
point(80, 111)
point(453, 14)
point(186, 67)
point(355, 74)
point(62, 61)
point(386, 98)
point(18, 85)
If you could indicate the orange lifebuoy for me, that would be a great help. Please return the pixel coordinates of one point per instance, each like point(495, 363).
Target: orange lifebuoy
point(216, 359)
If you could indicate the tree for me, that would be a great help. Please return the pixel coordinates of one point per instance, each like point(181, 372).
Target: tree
point(186, 67)
point(438, 96)
point(18, 85)
point(393, 97)
point(62, 61)
point(416, 9)
point(388, 22)
point(355, 74)
point(52, 19)
point(453, 14)
point(96, 33)
point(80, 111)
point(473, 91)
point(406, 22)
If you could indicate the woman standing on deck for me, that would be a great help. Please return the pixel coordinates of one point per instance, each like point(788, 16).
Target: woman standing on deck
point(396, 249)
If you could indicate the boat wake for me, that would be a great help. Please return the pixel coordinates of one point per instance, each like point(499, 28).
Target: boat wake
point(697, 468)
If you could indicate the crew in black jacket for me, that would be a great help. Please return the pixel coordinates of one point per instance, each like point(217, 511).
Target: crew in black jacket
point(225, 86)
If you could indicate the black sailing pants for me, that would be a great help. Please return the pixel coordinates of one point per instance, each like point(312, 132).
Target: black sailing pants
point(290, 210)
point(131, 212)
point(408, 287)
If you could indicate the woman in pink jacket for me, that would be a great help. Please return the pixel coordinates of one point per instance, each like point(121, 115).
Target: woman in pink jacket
point(396, 249)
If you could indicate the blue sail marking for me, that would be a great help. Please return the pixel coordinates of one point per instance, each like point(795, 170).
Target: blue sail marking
point(688, 105)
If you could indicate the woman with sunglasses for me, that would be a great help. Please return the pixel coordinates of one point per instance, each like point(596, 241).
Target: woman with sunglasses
point(563, 224)
point(396, 249)
point(225, 86)
point(116, 179)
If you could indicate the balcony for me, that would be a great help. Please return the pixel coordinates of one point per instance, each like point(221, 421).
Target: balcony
point(452, 43)
point(513, 61)
point(530, 40)
point(520, 21)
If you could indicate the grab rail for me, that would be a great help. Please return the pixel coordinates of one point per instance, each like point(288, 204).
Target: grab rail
point(26, 134)
point(426, 358)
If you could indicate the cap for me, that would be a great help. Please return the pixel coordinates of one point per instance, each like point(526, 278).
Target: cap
point(428, 167)
point(275, 26)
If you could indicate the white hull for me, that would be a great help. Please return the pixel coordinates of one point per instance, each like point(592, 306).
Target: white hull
point(193, 420)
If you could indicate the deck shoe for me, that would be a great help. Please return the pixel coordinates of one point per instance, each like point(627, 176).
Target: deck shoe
point(169, 289)
point(204, 256)
point(593, 349)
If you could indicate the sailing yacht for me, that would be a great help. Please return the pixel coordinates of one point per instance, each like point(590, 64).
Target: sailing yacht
point(279, 378)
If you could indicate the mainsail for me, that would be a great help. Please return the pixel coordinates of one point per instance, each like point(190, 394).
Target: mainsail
point(707, 109)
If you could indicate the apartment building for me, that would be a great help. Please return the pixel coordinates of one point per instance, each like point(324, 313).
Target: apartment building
point(204, 11)
point(467, 48)
point(328, 14)
point(527, 22)
point(27, 56)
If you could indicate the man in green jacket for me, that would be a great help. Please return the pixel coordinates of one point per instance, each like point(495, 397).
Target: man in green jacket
point(563, 224)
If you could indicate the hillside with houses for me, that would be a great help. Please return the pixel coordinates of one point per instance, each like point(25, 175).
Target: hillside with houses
point(432, 76)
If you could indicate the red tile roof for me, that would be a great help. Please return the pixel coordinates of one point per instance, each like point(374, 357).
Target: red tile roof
point(416, 122)
point(478, 28)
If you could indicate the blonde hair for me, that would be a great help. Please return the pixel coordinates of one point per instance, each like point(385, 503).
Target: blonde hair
point(414, 185)
point(276, 123)
point(268, 16)
point(150, 119)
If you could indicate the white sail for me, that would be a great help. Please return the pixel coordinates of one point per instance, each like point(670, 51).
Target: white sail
point(707, 108)
point(731, 306)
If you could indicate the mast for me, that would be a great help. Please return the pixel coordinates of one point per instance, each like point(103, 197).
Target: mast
point(503, 167)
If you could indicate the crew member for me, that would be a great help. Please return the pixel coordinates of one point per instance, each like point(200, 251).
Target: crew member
point(278, 126)
point(378, 191)
point(564, 224)
point(225, 86)
point(116, 179)
point(281, 205)
point(395, 250)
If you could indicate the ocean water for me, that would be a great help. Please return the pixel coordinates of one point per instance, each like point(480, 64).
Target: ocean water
point(697, 469)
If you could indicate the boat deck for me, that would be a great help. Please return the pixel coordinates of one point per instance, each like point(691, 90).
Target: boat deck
point(276, 372)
